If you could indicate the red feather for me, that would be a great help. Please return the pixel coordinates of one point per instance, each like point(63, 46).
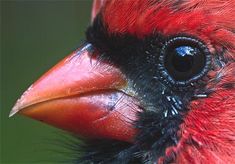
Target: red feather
point(212, 21)
point(207, 134)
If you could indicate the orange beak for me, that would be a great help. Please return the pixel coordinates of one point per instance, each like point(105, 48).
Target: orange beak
point(84, 96)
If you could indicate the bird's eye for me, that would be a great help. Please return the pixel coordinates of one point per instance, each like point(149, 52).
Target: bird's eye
point(184, 60)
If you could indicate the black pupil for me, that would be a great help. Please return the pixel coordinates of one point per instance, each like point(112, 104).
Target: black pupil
point(182, 58)
point(184, 61)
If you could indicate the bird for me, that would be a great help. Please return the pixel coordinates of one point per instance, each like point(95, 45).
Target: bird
point(153, 83)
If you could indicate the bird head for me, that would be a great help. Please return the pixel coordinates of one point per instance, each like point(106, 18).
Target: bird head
point(153, 83)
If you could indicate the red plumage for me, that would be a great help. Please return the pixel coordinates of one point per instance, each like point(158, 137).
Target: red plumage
point(207, 134)
point(207, 131)
point(212, 21)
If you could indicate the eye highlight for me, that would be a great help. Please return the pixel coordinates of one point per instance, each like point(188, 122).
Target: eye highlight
point(184, 60)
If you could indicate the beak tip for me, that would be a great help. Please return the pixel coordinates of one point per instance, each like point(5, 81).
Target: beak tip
point(14, 110)
point(20, 103)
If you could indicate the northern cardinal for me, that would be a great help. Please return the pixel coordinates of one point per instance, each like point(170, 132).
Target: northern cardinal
point(153, 84)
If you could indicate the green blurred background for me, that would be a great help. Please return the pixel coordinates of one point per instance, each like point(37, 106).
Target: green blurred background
point(34, 36)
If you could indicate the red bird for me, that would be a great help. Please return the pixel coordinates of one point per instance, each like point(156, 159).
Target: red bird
point(155, 83)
